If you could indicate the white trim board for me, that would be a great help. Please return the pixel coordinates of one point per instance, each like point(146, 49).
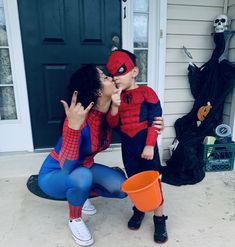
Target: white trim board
point(157, 43)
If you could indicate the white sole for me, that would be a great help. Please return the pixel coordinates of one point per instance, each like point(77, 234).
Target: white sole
point(83, 243)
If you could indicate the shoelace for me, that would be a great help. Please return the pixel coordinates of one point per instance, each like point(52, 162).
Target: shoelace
point(82, 228)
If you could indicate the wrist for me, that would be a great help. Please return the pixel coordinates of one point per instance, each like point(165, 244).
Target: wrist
point(114, 110)
point(149, 146)
point(75, 126)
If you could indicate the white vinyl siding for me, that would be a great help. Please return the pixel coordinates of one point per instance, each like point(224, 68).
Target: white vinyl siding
point(189, 23)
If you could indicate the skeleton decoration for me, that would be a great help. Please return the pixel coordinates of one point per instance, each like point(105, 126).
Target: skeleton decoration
point(221, 23)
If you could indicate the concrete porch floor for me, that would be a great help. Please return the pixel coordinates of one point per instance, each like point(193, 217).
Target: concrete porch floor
point(199, 215)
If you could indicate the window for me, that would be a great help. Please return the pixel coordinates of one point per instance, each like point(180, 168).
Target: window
point(7, 96)
point(140, 37)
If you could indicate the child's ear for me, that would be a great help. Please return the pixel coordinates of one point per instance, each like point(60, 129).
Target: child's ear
point(135, 71)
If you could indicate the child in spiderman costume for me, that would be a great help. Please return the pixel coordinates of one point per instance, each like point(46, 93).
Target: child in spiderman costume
point(133, 110)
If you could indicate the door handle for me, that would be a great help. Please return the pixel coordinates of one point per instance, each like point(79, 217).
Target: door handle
point(115, 42)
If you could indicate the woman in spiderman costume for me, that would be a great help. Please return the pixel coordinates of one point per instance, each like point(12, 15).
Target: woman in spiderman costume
point(69, 171)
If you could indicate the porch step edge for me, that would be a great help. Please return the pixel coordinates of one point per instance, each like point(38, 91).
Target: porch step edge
point(18, 164)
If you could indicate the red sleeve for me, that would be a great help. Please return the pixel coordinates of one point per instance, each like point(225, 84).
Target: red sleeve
point(112, 120)
point(154, 110)
point(70, 140)
point(152, 135)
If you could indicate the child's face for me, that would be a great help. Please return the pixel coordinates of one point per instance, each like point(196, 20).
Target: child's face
point(126, 81)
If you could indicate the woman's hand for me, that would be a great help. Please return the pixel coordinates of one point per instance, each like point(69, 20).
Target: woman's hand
point(76, 113)
point(158, 124)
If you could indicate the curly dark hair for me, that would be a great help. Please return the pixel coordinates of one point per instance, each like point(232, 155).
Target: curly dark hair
point(86, 81)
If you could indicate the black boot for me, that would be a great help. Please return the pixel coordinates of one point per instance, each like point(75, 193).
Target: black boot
point(135, 221)
point(160, 233)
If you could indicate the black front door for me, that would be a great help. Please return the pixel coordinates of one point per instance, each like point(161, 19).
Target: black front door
point(58, 37)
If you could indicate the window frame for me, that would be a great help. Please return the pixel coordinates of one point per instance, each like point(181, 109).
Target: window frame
point(157, 43)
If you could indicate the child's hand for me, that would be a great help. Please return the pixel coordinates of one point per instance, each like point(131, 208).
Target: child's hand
point(148, 152)
point(116, 97)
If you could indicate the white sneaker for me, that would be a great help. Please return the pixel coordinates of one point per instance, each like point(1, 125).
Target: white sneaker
point(88, 208)
point(80, 232)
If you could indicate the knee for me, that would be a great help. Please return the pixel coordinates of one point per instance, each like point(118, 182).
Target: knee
point(118, 193)
point(117, 189)
point(81, 178)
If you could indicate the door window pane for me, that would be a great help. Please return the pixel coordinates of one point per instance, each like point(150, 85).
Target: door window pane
point(7, 103)
point(141, 60)
point(7, 97)
point(5, 67)
point(140, 30)
point(141, 5)
point(141, 34)
point(3, 31)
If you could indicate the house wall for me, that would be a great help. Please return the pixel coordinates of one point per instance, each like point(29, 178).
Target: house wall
point(189, 23)
point(231, 14)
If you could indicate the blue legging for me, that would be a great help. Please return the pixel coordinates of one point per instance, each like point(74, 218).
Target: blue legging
point(77, 185)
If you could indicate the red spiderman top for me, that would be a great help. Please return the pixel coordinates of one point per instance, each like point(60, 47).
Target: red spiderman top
point(138, 108)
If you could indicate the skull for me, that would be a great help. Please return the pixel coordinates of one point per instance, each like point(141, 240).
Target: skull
point(221, 23)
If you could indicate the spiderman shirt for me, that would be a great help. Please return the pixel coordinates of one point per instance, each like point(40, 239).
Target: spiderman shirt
point(138, 108)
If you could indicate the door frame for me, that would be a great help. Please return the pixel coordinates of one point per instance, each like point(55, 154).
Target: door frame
point(17, 134)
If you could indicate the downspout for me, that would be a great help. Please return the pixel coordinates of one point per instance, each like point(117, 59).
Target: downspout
point(232, 111)
point(225, 7)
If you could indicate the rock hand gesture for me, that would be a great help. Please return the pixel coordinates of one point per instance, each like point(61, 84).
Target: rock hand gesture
point(75, 113)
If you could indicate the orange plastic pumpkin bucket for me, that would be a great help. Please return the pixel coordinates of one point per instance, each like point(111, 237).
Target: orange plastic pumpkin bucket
point(144, 190)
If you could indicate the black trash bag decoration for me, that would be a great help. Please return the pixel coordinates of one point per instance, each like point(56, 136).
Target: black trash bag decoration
point(209, 84)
